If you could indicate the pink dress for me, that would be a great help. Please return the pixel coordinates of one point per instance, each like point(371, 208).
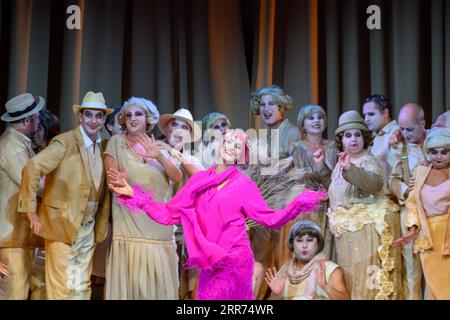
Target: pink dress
point(214, 223)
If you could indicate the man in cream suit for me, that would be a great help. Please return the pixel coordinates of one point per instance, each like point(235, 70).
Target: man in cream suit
point(16, 239)
point(75, 206)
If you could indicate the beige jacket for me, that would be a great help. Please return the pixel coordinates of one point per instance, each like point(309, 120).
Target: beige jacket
point(66, 190)
point(15, 151)
point(416, 215)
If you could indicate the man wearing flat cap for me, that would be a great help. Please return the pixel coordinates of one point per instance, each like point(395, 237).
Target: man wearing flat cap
point(22, 116)
point(75, 206)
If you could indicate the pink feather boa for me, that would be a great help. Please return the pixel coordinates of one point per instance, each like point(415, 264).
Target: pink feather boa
point(305, 202)
point(141, 199)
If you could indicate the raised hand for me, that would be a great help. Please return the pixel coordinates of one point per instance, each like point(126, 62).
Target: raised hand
point(407, 238)
point(320, 274)
point(117, 182)
point(275, 284)
point(3, 270)
point(319, 157)
point(151, 147)
point(395, 138)
point(344, 159)
point(163, 145)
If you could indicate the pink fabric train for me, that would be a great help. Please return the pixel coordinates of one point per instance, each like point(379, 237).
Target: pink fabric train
point(214, 223)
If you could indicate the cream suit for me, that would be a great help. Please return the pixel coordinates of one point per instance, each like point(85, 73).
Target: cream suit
point(15, 236)
point(74, 211)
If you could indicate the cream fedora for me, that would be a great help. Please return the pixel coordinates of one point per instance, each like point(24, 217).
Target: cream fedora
point(93, 101)
point(181, 114)
point(350, 120)
point(22, 106)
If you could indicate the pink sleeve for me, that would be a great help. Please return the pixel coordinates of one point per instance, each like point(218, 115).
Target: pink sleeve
point(143, 201)
point(165, 213)
point(256, 208)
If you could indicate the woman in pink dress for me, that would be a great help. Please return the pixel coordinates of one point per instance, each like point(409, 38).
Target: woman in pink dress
point(212, 207)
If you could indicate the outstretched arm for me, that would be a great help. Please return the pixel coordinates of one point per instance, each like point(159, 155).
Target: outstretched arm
point(135, 199)
point(257, 209)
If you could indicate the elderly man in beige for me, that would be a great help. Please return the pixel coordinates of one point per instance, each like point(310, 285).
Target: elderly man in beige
point(16, 241)
point(377, 112)
point(75, 207)
point(404, 158)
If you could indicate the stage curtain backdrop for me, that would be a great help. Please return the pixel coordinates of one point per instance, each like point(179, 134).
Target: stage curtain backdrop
point(208, 55)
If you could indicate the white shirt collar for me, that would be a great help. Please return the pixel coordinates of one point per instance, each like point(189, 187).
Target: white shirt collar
point(87, 141)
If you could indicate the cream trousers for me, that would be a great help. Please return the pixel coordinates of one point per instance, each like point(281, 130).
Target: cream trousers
point(68, 267)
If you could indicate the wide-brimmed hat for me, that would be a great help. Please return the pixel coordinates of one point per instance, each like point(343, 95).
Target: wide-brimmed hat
point(22, 106)
point(350, 120)
point(93, 101)
point(181, 114)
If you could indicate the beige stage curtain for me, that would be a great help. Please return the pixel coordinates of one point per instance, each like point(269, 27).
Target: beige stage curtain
point(324, 53)
point(208, 55)
point(176, 53)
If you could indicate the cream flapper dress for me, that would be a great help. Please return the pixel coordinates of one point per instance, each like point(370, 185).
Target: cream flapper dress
point(365, 223)
point(142, 262)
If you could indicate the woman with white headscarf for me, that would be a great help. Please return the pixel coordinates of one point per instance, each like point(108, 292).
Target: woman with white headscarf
point(143, 262)
point(427, 219)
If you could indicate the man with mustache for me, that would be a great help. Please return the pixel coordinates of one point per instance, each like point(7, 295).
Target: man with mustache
point(404, 158)
point(74, 213)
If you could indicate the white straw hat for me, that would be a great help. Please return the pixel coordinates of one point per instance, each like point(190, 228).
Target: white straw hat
point(181, 114)
point(22, 106)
